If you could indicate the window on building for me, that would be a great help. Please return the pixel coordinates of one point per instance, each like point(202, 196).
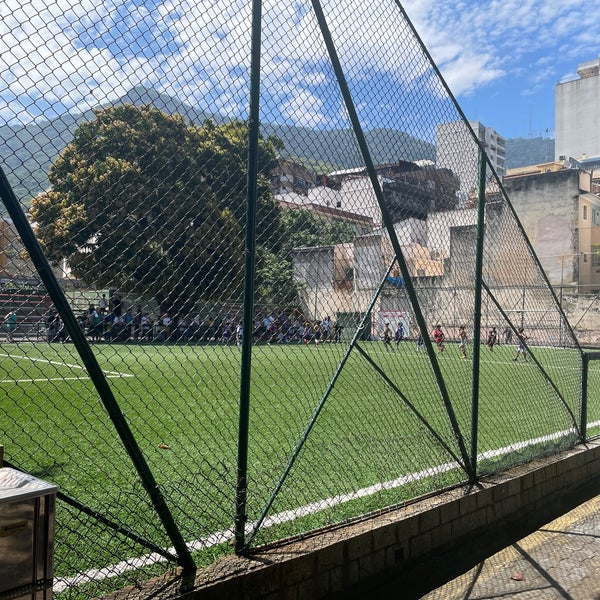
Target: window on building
point(584, 212)
point(595, 259)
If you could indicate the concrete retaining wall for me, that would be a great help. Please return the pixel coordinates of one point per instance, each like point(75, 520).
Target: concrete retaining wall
point(410, 550)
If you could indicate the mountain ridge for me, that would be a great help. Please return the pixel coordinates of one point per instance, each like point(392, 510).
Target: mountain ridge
point(29, 150)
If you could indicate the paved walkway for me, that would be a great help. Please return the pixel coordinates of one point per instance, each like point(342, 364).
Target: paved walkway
point(561, 560)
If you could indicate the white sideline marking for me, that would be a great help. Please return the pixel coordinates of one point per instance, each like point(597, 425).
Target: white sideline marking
point(60, 364)
point(219, 537)
point(44, 379)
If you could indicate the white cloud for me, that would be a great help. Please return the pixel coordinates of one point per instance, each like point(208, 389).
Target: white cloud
point(475, 43)
point(305, 110)
point(62, 54)
point(43, 65)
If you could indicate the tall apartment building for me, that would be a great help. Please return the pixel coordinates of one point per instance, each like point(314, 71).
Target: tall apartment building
point(577, 114)
point(456, 150)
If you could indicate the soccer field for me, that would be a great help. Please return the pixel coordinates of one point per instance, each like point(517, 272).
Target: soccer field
point(382, 436)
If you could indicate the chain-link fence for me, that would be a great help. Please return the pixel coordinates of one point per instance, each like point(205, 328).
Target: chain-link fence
point(259, 305)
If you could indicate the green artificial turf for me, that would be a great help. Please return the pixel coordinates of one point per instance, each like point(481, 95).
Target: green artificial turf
point(334, 442)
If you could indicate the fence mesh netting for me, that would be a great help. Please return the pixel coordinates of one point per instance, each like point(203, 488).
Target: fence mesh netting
point(405, 338)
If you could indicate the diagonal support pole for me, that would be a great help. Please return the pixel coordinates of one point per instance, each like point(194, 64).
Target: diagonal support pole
point(319, 408)
point(576, 426)
point(413, 409)
point(387, 220)
point(116, 527)
point(100, 382)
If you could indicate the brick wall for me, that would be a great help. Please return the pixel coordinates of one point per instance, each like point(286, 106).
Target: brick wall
point(412, 549)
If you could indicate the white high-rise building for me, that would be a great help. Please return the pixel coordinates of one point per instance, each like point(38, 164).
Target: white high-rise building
point(577, 127)
point(456, 150)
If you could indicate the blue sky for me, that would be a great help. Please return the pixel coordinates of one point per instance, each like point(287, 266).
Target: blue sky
point(501, 59)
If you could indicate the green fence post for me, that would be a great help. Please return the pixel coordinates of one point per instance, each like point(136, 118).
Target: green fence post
point(477, 314)
point(250, 250)
point(584, 386)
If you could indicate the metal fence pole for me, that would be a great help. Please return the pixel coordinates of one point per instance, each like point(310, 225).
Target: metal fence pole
point(477, 312)
point(46, 274)
point(584, 385)
point(250, 253)
point(586, 357)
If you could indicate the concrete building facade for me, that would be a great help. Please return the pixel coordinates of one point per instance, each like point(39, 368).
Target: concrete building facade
point(410, 190)
point(442, 272)
point(561, 217)
point(457, 151)
point(577, 114)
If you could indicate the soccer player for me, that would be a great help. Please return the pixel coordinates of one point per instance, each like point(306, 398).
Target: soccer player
point(521, 345)
point(462, 341)
point(420, 342)
point(387, 337)
point(492, 338)
point(317, 329)
point(238, 333)
point(438, 338)
point(399, 333)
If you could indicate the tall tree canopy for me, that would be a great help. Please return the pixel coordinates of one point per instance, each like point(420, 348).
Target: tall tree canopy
point(142, 201)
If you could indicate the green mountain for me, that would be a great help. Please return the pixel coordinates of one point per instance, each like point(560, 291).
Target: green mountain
point(29, 150)
point(522, 152)
point(334, 149)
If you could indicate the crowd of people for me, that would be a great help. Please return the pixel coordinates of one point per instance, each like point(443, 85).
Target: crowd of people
point(110, 320)
point(295, 327)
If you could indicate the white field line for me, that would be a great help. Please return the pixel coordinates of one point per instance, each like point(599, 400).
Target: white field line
point(43, 380)
point(528, 364)
point(58, 363)
point(219, 537)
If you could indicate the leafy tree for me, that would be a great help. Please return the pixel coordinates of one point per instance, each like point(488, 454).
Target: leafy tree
point(275, 283)
point(225, 151)
point(143, 201)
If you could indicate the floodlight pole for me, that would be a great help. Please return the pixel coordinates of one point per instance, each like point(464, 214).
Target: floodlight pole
point(477, 311)
point(240, 517)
